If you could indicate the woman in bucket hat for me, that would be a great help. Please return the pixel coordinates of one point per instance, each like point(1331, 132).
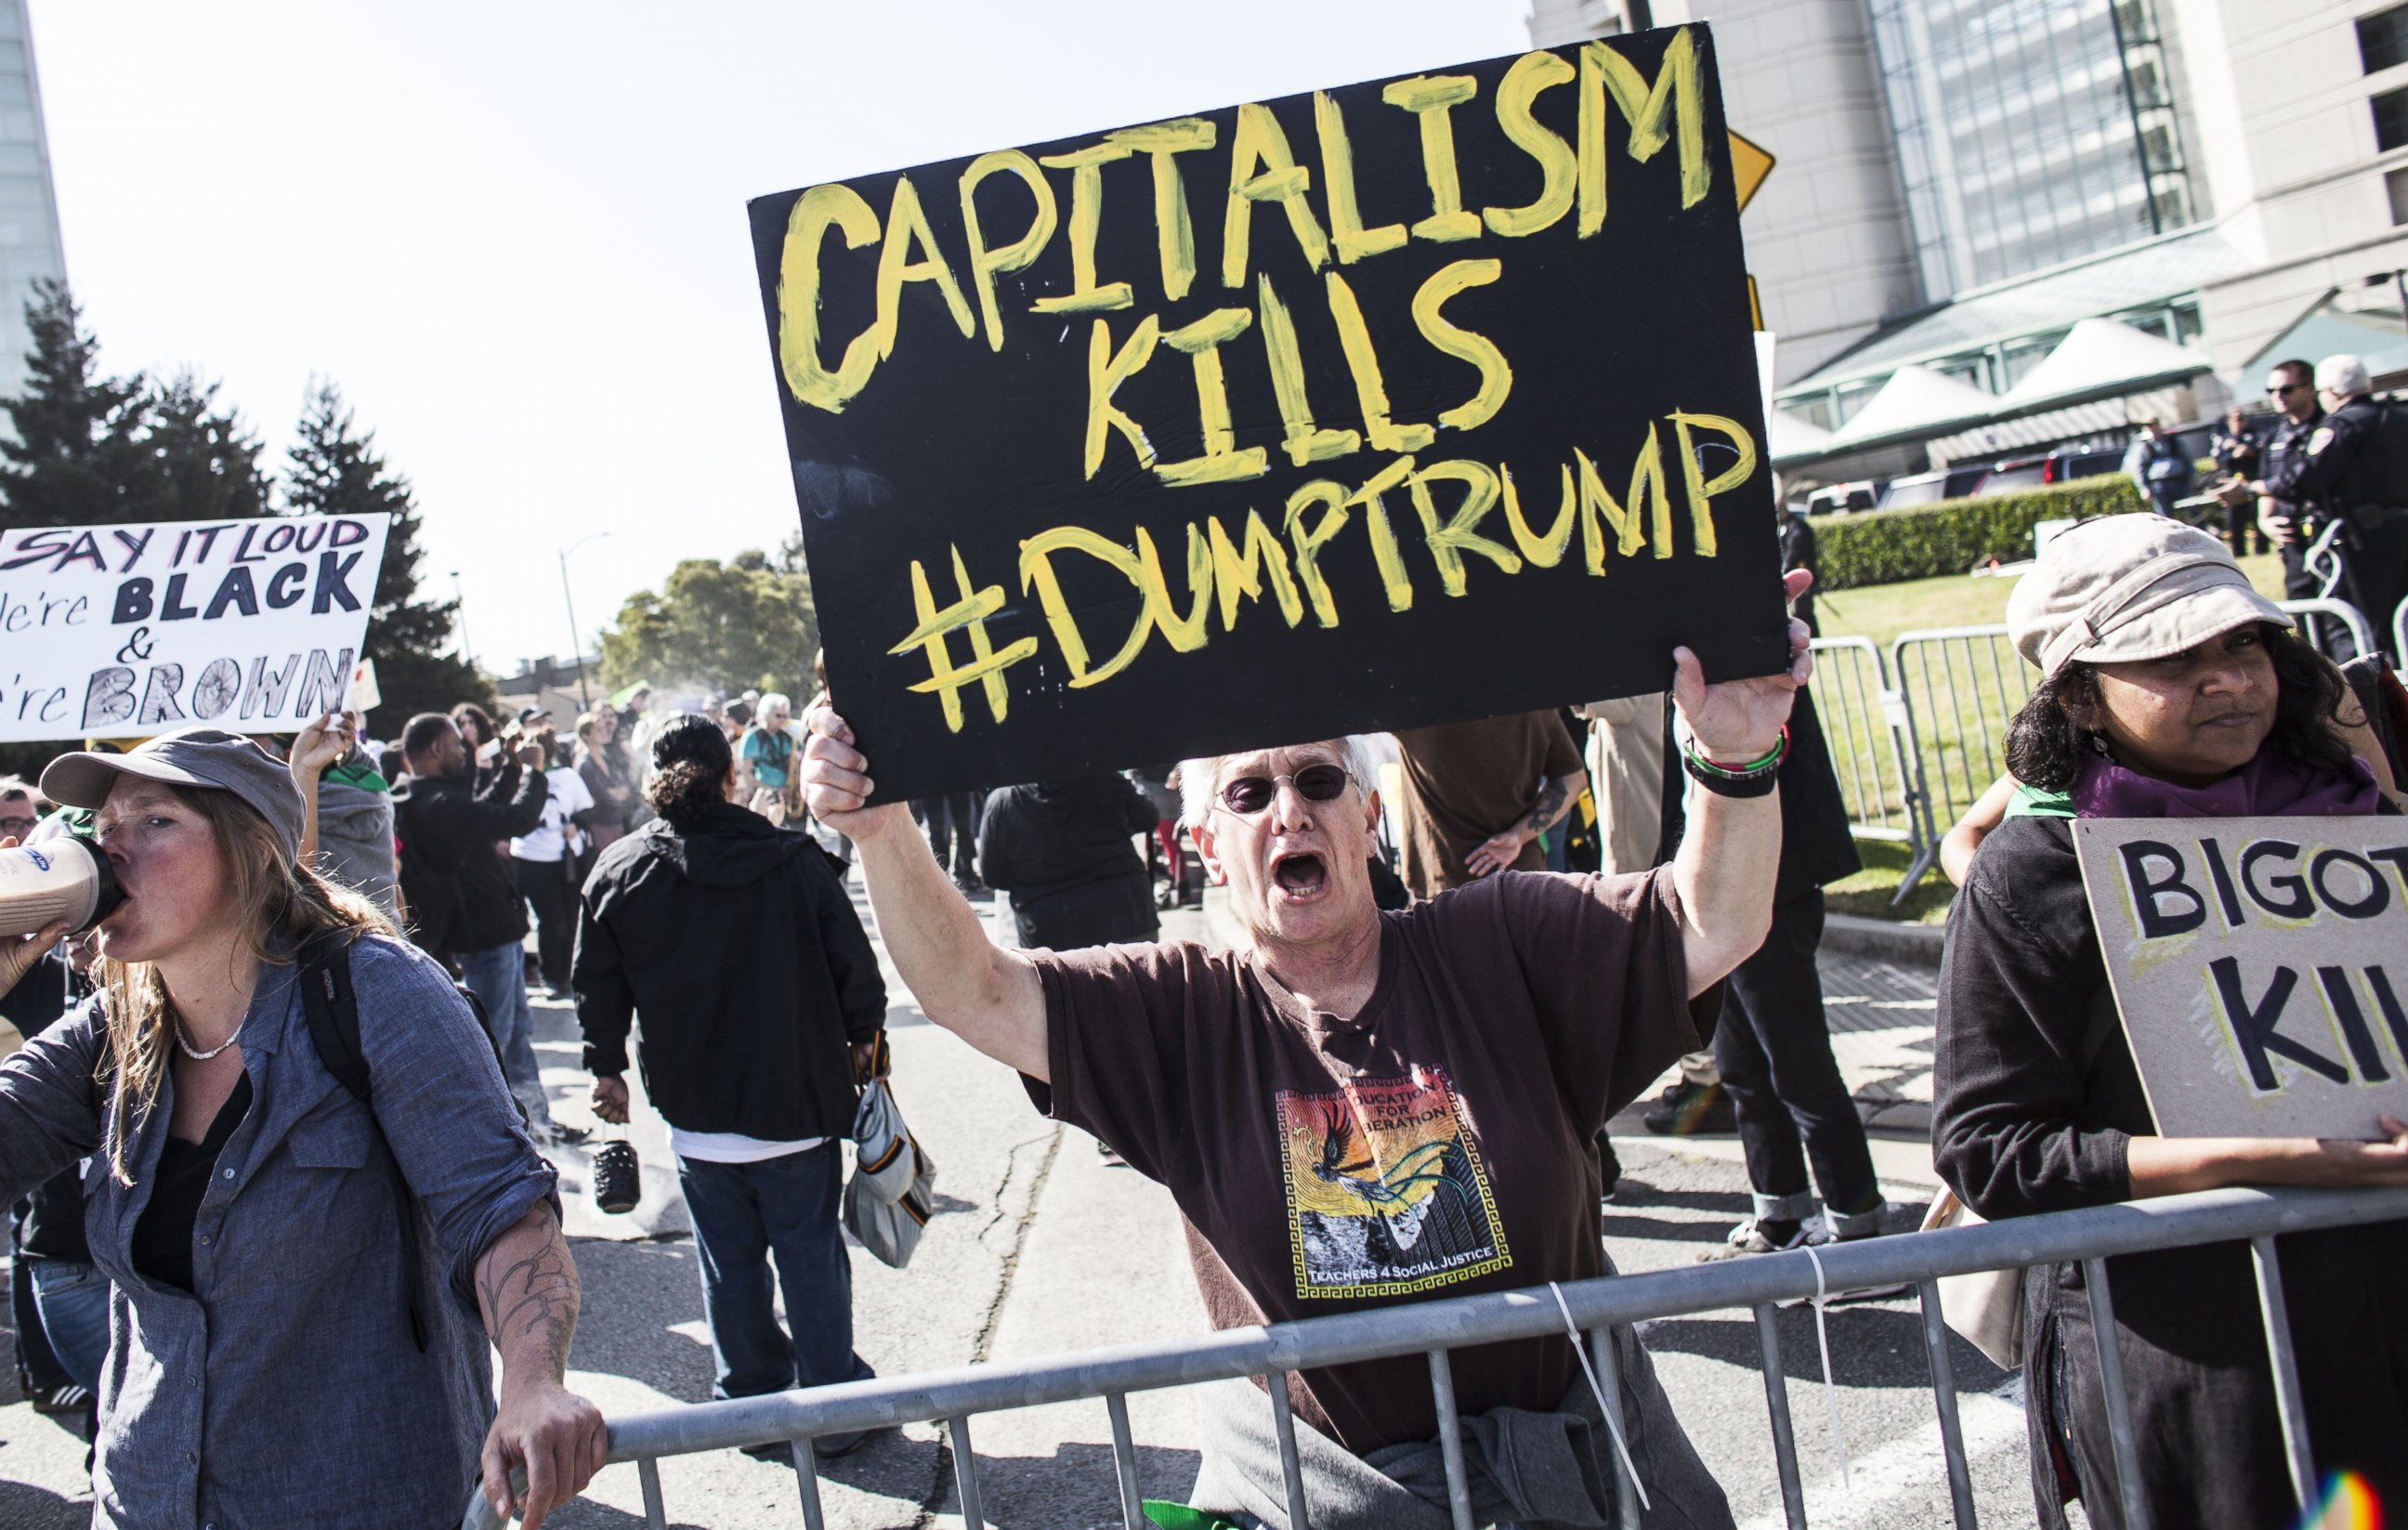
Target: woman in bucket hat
point(304, 1281)
point(2169, 687)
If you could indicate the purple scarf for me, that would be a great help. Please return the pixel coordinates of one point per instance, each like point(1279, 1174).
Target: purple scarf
point(2268, 786)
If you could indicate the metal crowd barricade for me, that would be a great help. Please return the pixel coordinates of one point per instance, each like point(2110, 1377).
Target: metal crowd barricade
point(2093, 1236)
point(1871, 734)
point(2361, 632)
point(1962, 685)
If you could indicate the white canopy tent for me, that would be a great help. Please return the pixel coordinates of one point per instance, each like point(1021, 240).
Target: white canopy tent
point(1915, 401)
point(2099, 358)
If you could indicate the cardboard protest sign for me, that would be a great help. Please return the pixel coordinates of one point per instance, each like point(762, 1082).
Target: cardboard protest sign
point(1397, 404)
point(2261, 969)
point(119, 632)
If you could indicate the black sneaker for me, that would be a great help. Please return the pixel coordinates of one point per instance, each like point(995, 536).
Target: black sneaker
point(1757, 1235)
point(1688, 1109)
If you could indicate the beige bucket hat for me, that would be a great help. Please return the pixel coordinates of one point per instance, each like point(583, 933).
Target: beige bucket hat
point(2127, 587)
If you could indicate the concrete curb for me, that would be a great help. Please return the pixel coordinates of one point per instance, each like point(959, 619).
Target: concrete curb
point(1915, 945)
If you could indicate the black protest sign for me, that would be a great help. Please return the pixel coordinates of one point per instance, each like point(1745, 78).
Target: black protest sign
point(2257, 963)
point(1392, 405)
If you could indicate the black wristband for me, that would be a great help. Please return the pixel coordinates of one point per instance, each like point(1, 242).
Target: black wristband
point(1726, 786)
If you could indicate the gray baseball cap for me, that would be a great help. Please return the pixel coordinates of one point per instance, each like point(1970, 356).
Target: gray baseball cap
point(208, 757)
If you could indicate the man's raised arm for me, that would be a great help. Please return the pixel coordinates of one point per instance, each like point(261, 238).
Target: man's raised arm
point(988, 996)
point(1732, 853)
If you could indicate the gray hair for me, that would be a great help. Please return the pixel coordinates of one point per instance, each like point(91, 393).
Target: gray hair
point(1196, 776)
point(2343, 374)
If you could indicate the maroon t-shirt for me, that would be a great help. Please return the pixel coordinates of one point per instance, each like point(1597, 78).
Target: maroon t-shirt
point(1435, 1144)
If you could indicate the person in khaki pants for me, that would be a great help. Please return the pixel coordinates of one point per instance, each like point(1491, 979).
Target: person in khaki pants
point(1626, 772)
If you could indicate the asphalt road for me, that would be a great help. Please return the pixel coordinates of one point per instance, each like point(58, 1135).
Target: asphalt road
point(1040, 1247)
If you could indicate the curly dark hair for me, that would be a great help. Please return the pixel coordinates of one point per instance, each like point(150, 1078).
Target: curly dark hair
point(681, 792)
point(2045, 747)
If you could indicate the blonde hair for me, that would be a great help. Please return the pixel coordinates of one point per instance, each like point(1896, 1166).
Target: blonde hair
point(279, 904)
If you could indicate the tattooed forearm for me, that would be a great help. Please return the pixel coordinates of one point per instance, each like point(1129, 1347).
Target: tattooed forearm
point(1553, 795)
point(526, 1287)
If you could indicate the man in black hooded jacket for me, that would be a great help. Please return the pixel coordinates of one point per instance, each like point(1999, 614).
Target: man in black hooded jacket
point(761, 1001)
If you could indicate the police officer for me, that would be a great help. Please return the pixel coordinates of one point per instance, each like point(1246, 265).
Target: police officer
point(2291, 386)
point(2356, 463)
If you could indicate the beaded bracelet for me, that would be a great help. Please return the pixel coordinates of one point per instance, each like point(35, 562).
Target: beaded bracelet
point(1756, 779)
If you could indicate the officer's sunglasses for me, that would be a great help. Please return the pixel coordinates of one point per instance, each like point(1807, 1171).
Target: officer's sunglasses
point(2285, 388)
point(1249, 795)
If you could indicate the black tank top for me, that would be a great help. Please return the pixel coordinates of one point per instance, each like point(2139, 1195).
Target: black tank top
point(163, 1237)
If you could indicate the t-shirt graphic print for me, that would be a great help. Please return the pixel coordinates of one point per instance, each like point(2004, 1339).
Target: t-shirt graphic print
point(1385, 1192)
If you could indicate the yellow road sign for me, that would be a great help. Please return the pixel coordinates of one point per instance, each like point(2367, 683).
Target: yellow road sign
point(1750, 164)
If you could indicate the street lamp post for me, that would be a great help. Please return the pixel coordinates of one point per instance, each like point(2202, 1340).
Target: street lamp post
point(576, 645)
point(460, 610)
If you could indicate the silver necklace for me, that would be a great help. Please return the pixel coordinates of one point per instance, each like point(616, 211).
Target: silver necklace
point(197, 1055)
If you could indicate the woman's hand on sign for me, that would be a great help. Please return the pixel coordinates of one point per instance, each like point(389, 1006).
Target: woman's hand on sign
point(2171, 1165)
point(836, 782)
point(1742, 720)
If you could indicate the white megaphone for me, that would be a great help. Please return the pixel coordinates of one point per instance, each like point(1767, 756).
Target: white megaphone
point(55, 876)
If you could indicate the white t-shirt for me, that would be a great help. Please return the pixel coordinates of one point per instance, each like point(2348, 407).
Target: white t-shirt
point(733, 1147)
point(547, 841)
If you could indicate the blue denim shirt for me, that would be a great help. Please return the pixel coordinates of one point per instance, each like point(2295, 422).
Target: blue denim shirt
point(286, 1390)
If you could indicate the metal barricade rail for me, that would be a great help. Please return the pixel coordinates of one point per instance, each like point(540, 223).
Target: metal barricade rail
point(1960, 686)
point(2091, 1236)
point(1871, 735)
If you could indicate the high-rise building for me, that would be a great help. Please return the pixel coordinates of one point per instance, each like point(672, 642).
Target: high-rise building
point(29, 209)
point(1999, 224)
point(2029, 134)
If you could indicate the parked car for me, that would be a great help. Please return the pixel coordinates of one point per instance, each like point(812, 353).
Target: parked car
point(1842, 498)
point(2059, 467)
point(1931, 488)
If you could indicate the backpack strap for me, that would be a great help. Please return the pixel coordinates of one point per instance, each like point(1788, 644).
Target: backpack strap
point(333, 1010)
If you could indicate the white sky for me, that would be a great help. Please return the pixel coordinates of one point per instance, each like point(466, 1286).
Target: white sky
point(514, 233)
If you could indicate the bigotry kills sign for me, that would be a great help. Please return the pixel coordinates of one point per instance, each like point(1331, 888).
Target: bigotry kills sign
point(1413, 401)
point(2261, 969)
point(117, 632)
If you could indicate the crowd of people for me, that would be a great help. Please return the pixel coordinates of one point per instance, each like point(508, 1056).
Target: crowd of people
point(277, 1120)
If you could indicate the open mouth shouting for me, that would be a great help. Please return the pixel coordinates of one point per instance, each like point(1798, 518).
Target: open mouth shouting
point(1300, 876)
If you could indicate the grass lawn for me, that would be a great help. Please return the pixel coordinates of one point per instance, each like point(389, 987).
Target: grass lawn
point(1960, 693)
point(1882, 611)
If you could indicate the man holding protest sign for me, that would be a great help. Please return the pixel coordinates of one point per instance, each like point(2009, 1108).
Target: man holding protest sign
point(2174, 701)
point(1342, 1122)
point(1355, 446)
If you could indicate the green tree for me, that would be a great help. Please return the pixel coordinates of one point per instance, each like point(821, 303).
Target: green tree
point(334, 468)
point(717, 627)
point(92, 450)
point(75, 455)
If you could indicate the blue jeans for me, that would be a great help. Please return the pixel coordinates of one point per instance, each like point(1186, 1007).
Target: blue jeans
point(743, 1215)
point(497, 976)
point(73, 1299)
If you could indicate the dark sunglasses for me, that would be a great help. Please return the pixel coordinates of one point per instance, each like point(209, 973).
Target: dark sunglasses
point(2286, 388)
point(1249, 795)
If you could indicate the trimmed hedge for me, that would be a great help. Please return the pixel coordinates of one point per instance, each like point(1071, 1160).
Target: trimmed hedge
point(1882, 546)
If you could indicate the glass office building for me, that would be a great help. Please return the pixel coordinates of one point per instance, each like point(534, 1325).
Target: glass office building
point(2030, 132)
point(29, 218)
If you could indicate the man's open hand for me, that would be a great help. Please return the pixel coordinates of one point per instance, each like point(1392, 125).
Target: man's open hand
point(1739, 720)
